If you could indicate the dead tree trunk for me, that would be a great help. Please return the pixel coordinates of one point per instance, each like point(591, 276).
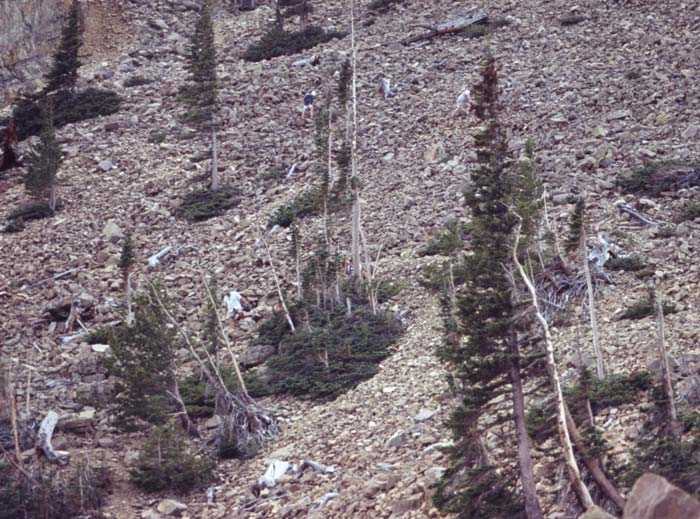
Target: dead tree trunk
point(663, 353)
point(564, 437)
point(532, 505)
point(448, 27)
point(279, 287)
point(600, 366)
point(214, 165)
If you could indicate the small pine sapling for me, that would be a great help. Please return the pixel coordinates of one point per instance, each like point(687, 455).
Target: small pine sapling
point(44, 160)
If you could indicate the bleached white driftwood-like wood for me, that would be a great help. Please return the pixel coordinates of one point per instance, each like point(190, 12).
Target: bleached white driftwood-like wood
point(43, 441)
point(448, 27)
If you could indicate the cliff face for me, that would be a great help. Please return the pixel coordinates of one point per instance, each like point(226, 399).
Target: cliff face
point(30, 30)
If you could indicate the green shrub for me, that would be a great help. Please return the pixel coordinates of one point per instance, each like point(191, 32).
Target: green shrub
point(625, 263)
point(68, 107)
point(655, 177)
point(540, 421)
point(97, 336)
point(304, 204)
point(690, 211)
point(615, 390)
point(77, 492)
point(165, 463)
point(36, 211)
point(157, 137)
point(382, 6)
point(435, 276)
point(644, 308)
point(137, 80)
point(198, 395)
point(571, 19)
point(329, 354)
point(203, 204)
point(447, 241)
point(278, 42)
point(659, 451)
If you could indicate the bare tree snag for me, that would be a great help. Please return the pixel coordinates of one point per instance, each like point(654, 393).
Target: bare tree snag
point(214, 165)
point(600, 366)
point(592, 463)
point(663, 353)
point(279, 287)
point(448, 27)
point(564, 436)
point(532, 505)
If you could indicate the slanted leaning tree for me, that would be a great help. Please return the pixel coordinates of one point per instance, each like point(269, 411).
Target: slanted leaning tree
point(44, 160)
point(202, 90)
point(64, 69)
point(486, 360)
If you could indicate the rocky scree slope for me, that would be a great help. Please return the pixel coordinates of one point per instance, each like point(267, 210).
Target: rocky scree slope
point(566, 87)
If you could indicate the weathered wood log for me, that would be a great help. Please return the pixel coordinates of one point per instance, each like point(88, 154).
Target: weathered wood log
point(311, 60)
point(625, 208)
point(43, 442)
point(154, 260)
point(448, 27)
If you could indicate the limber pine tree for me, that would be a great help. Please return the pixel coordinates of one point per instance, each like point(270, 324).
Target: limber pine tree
point(487, 359)
point(201, 93)
point(44, 160)
point(64, 69)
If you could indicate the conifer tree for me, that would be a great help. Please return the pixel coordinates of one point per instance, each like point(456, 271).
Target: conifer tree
point(487, 359)
point(202, 90)
point(64, 70)
point(44, 160)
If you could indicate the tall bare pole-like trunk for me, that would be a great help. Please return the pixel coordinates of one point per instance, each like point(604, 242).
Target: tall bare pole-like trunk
point(279, 287)
point(527, 478)
point(214, 165)
point(600, 366)
point(356, 265)
point(663, 354)
point(330, 178)
point(564, 436)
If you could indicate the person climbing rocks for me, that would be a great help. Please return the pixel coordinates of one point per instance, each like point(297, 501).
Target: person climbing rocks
point(236, 304)
point(309, 98)
point(464, 101)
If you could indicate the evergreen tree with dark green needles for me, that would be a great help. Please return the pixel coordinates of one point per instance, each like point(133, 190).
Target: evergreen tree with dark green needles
point(44, 160)
point(64, 69)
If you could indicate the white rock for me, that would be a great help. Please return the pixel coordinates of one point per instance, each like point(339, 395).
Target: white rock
point(170, 507)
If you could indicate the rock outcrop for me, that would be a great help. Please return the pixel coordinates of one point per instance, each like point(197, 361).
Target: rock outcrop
point(30, 31)
point(652, 497)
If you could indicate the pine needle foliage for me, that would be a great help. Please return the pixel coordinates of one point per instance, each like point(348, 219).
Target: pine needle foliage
point(44, 160)
point(165, 463)
point(144, 360)
point(472, 487)
point(64, 70)
point(202, 89)
point(576, 226)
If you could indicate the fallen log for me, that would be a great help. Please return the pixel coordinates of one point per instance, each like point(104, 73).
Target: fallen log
point(43, 442)
point(448, 27)
point(625, 208)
